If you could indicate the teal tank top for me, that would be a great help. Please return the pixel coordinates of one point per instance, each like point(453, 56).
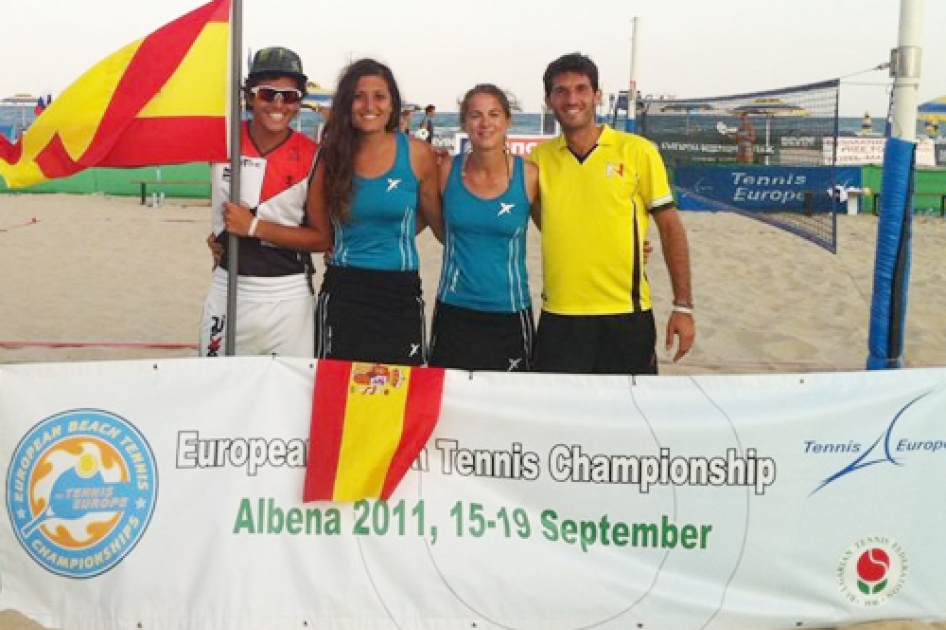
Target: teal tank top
point(381, 228)
point(484, 257)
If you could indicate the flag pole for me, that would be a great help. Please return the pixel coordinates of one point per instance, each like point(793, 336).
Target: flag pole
point(630, 123)
point(236, 126)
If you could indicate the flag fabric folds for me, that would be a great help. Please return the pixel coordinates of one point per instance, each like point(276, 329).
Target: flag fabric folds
point(369, 423)
point(160, 100)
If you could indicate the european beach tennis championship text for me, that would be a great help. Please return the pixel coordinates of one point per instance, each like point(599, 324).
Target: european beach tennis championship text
point(564, 463)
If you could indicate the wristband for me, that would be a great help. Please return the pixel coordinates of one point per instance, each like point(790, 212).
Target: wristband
point(686, 310)
point(252, 231)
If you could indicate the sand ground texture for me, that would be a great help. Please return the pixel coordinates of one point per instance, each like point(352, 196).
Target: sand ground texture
point(99, 275)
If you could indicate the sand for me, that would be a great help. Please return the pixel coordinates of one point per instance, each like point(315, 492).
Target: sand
point(111, 279)
point(104, 278)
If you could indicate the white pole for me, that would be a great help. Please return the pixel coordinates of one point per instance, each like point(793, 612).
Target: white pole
point(631, 124)
point(894, 227)
point(906, 70)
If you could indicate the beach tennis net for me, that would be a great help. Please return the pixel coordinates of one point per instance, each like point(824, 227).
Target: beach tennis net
point(768, 155)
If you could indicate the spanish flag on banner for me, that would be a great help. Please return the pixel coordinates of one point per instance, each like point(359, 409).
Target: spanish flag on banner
point(369, 423)
point(160, 100)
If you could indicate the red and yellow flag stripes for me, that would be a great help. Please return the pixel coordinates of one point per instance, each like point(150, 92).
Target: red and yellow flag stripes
point(160, 100)
point(369, 423)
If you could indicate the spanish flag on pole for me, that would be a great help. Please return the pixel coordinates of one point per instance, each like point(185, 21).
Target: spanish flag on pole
point(369, 423)
point(160, 100)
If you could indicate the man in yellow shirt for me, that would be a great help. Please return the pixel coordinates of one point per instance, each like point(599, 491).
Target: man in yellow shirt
point(599, 190)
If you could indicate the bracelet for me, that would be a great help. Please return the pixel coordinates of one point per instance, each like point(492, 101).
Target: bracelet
point(252, 231)
point(686, 310)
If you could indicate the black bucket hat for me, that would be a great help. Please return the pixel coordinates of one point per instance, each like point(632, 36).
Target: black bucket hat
point(277, 61)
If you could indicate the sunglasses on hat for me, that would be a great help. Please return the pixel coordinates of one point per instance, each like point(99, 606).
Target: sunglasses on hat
point(269, 93)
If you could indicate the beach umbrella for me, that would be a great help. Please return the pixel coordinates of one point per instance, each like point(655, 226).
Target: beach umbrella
point(317, 97)
point(19, 100)
point(22, 104)
point(770, 108)
point(933, 113)
point(685, 107)
point(934, 110)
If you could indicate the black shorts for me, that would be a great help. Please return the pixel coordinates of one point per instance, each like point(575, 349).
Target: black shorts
point(371, 316)
point(467, 339)
point(597, 344)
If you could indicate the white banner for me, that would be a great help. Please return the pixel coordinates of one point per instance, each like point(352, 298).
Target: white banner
point(166, 495)
point(855, 151)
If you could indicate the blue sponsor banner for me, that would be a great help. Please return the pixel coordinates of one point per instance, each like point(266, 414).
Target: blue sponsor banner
point(776, 188)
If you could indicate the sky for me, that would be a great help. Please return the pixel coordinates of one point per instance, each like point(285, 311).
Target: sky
point(438, 49)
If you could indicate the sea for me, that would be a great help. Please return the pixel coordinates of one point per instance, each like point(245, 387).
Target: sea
point(13, 119)
point(447, 124)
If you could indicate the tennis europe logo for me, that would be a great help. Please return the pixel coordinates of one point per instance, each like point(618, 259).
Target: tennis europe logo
point(872, 571)
point(81, 490)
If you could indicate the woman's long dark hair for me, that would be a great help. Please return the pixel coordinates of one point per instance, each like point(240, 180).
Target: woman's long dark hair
point(340, 141)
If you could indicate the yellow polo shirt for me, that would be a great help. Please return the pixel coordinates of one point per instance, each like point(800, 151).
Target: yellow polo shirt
point(595, 215)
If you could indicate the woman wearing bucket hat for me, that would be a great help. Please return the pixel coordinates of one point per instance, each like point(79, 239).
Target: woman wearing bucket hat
point(372, 189)
point(275, 301)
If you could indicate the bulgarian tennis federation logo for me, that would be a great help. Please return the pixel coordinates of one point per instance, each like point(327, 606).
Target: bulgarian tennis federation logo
point(872, 571)
point(81, 489)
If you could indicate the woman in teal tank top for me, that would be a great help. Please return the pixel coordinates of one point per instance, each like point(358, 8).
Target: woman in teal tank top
point(373, 189)
point(483, 318)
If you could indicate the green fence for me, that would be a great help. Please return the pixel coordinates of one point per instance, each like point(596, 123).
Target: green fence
point(126, 181)
point(930, 183)
point(929, 188)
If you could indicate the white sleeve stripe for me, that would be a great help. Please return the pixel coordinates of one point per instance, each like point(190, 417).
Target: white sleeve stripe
point(662, 201)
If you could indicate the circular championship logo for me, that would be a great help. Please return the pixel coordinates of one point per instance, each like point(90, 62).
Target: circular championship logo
point(872, 571)
point(80, 491)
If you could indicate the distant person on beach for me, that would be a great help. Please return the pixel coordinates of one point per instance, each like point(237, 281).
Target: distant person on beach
point(483, 318)
point(372, 190)
point(600, 188)
point(426, 129)
point(275, 301)
point(745, 139)
point(404, 124)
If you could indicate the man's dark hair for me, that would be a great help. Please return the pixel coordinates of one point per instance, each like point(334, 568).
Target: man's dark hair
point(572, 62)
point(429, 109)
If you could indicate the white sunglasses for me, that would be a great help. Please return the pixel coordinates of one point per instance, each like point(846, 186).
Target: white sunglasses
point(269, 93)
